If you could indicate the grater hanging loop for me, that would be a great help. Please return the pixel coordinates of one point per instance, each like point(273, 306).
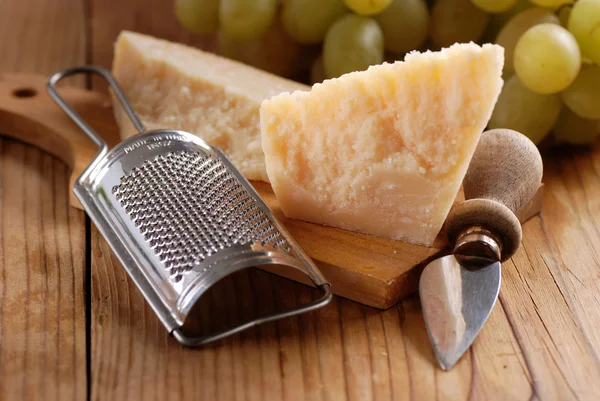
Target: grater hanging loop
point(114, 85)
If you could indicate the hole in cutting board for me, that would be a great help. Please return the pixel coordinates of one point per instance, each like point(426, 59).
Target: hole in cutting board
point(24, 92)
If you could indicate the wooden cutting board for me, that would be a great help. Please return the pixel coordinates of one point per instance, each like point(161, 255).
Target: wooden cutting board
point(374, 271)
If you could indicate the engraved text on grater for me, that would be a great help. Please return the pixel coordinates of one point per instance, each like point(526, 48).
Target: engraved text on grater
point(156, 142)
point(189, 206)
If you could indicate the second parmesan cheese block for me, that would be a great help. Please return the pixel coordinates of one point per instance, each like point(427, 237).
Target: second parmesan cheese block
point(179, 87)
point(383, 151)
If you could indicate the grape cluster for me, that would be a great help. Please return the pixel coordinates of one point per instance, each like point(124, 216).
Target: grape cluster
point(552, 47)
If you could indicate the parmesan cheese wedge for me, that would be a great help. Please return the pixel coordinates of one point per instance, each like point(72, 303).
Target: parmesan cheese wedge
point(382, 151)
point(179, 87)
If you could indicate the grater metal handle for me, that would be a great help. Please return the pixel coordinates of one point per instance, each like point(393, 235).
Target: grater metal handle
point(93, 135)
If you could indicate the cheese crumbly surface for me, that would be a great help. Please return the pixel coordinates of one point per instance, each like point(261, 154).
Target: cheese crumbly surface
point(382, 151)
point(179, 87)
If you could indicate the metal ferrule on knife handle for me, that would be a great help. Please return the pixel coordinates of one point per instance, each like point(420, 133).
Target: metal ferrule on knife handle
point(500, 223)
point(476, 247)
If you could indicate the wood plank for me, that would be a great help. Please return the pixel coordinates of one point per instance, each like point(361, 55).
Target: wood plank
point(556, 280)
point(571, 224)
point(42, 301)
point(548, 308)
point(42, 36)
point(357, 352)
point(556, 349)
point(360, 353)
point(35, 119)
point(533, 345)
point(152, 17)
point(497, 359)
point(42, 307)
point(348, 351)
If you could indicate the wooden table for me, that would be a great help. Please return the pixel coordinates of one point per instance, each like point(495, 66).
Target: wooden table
point(73, 326)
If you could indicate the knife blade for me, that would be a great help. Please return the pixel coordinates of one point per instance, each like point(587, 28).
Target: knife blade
point(458, 291)
point(452, 323)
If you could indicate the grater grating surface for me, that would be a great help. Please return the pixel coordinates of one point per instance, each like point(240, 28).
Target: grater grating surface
point(188, 206)
point(180, 217)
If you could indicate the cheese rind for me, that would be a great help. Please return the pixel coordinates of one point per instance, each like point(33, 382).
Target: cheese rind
point(179, 87)
point(382, 151)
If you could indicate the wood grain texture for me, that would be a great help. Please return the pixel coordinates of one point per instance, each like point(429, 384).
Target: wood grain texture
point(42, 265)
point(535, 344)
point(35, 119)
point(542, 340)
point(110, 17)
point(42, 253)
point(42, 36)
point(345, 351)
point(539, 343)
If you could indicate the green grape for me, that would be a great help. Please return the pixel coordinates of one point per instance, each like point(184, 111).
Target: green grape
point(405, 24)
point(198, 16)
point(246, 19)
point(551, 3)
point(494, 6)
point(523, 110)
point(573, 129)
point(456, 21)
point(563, 16)
point(317, 71)
point(353, 43)
point(307, 20)
point(275, 52)
point(367, 7)
point(516, 27)
point(547, 58)
point(583, 95)
point(584, 24)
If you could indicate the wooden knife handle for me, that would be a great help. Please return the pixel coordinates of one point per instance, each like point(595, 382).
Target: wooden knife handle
point(504, 174)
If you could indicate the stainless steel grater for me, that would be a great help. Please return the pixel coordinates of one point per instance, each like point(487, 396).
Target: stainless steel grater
point(180, 217)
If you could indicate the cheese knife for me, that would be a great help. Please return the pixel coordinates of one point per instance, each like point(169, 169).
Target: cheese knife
point(459, 291)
